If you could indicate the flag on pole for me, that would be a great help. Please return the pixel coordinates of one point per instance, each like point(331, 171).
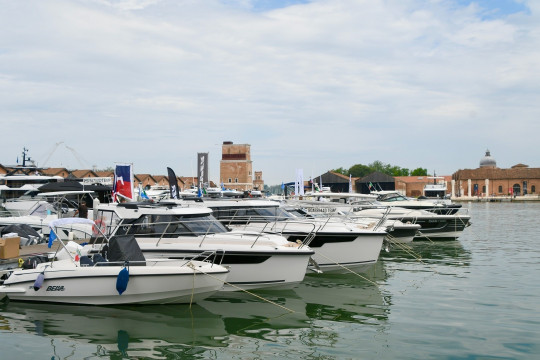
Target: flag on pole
point(173, 184)
point(123, 182)
point(142, 193)
point(296, 183)
point(52, 237)
point(300, 182)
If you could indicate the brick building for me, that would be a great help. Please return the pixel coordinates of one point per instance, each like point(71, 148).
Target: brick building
point(258, 182)
point(489, 180)
point(413, 186)
point(235, 167)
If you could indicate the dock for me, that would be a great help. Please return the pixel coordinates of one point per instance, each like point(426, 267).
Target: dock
point(497, 198)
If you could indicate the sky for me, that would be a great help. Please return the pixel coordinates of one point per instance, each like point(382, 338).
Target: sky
point(309, 84)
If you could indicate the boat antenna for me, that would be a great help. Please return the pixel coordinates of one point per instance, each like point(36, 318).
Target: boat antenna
point(24, 158)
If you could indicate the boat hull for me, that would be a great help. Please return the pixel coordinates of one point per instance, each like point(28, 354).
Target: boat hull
point(402, 234)
point(342, 256)
point(338, 247)
point(249, 269)
point(97, 285)
point(444, 228)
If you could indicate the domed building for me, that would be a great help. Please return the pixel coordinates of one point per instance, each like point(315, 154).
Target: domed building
point(489, 180)
point(488, 161)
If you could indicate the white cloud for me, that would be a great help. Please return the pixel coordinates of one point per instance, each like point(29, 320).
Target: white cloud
point(318, 85)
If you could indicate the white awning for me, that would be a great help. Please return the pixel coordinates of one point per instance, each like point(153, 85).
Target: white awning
point(67, 221)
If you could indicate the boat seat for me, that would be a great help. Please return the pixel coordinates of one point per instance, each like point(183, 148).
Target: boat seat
point(99, 260)
point(86, 261)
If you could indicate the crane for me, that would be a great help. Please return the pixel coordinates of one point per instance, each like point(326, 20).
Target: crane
point(52, 152)
point(78, 157)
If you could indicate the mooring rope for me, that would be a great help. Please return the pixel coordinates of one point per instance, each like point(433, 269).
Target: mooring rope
point(346, 268)
point(405, 248)
point(239, 288)
point(193, 286)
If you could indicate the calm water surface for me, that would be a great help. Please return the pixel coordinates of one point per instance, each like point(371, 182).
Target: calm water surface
point(475, 298)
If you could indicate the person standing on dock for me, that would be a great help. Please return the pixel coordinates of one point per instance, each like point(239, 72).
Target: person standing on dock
point(82, 211)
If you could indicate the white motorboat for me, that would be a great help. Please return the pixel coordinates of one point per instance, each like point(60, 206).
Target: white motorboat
point(42, 215)
point(338, 245)
point(433, 226)
point(64, 201)
point(438, 206)
point(127, 277)
point(397, 231)
point(232, 193)
point(255, 260)
point(13, 186)
point(154, 192)
point(436, 190)
point(215, 192)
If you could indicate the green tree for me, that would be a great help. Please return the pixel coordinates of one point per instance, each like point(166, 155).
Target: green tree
point(397, 171)
point(419, 172)
point(379, 166)
point(341, 171)
point(359, 170)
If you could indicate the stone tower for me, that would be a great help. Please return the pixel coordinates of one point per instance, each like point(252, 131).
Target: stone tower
point(258, 182)
point(235, 167)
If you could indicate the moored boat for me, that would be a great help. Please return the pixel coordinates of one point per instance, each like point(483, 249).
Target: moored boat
point(125, 277)
point(255, 260)
point(339, 246)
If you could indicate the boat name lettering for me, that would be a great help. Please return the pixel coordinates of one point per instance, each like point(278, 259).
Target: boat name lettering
point(327, 210)
point(55, 288)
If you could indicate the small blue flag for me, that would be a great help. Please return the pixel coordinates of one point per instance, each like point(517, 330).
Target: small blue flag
point(282, 185)
point(144, 196)
point(142, 193)
point(52, 237)
point(199, 193)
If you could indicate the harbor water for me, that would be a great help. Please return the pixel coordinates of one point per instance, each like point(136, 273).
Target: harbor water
point(474, 298)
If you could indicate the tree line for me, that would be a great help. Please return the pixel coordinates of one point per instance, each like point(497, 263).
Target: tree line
point(360, 170)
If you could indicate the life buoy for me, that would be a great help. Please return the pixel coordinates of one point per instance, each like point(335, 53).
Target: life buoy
point(98, 227)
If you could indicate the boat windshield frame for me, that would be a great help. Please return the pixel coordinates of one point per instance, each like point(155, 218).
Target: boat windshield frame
point(240, 215)
point(170, 225)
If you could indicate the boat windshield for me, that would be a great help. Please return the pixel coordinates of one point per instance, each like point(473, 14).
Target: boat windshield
point(392, 197)
point(244, 215)
point(42, 209)
point(170, 226)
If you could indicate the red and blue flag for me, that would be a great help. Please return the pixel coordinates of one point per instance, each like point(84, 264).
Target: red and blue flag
point(123, 182)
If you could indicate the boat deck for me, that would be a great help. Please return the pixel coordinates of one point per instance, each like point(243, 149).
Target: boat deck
point(28, 251)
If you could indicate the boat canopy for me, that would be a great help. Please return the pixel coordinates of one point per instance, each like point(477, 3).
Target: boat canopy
point(68, 221)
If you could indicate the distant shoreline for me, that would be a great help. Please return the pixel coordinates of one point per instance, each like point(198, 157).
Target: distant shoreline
point(506, 198)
